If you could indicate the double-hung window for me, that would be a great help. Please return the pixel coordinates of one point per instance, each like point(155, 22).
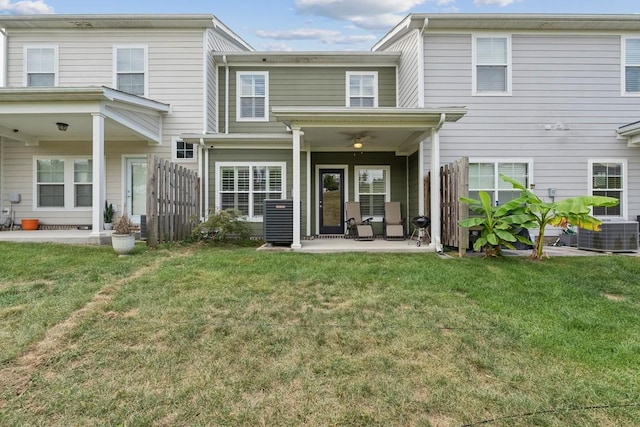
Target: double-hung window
point(130, 69)
point(41, 66)
point(484, 175)
point(607, 178)
point(492, 65)
point(631, 66)
point(373, 189)
point(362, 89)
point(63, 183)
point(252, 96)
point(243, 187)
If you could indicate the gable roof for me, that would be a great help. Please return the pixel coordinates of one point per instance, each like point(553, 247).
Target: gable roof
point(509, 22)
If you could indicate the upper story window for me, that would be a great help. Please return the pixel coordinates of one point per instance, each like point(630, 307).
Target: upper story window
point(492, 65)
point(484, 175)
point(607, 178)
point(252, 96)
point(131, 69)
point(362, 89)
point(373, 189)
point(631, 65)
point(41, 65)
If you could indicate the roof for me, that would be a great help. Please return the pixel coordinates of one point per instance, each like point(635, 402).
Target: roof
point(120, 21)
point(309, 58)
point(509, 22)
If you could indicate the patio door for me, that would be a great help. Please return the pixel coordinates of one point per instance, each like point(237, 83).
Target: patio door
point(331, 201)
point(136, 187)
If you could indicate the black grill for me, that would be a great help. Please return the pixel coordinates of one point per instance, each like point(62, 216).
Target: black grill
point(421, 221)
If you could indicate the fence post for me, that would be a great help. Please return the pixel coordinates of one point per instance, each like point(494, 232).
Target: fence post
point(152, 203)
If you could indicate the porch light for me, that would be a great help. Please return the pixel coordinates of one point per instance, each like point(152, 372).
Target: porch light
point(62, 126)
point(357, 143)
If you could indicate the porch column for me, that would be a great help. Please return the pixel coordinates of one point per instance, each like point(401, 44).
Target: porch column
point(295, 190)
point(436, 227)
point(99, 186)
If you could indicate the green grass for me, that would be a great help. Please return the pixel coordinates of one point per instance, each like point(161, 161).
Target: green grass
point(203, 336)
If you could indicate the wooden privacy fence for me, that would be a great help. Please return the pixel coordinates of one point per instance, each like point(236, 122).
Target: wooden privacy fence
point(173, 200)
point(454, 183)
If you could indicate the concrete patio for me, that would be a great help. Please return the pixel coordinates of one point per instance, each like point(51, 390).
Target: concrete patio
point(80, 237)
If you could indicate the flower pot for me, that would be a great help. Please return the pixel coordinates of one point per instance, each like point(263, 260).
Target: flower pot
point(30, 224)
point(123, 244)
point(108, 226)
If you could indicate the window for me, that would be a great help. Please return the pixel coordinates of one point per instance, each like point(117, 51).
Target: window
point(183, 151)
point(63, 183)
point(131, 69)
point(362, 89)
point(253, 96)
point(608, 179)
point(373, 189)
point(41, 66)
point(484, 175)
point(631, 65)
point(492, 68)
point(244, 187)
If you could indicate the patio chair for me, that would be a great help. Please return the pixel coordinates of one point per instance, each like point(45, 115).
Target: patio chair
point(358, 228)
point(393, 222)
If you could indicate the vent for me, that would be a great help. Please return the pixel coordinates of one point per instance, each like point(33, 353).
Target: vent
point(619, 236)
point(278, 221)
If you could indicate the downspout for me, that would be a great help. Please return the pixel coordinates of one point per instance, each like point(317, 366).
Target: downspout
point(436, 220)
point(226, 94)
point(204, 187)
point(4, 65)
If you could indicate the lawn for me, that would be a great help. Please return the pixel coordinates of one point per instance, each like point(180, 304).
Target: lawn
point(191, 335)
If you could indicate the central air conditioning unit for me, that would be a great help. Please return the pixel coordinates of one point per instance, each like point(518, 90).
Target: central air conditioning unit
point(615, 236)
point(278, 221)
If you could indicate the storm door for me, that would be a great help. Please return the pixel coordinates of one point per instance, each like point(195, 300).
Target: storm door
point(331, 201)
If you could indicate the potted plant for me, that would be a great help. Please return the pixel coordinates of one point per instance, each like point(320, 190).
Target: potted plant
point(123, 239)
point(107, 215)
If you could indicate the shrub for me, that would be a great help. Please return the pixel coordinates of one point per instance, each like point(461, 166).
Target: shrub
point(223, 226)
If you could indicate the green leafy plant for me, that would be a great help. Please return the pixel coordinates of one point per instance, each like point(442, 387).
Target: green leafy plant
point(108, 212)
point(499, 225)
point(574, 211)
point(221, 226)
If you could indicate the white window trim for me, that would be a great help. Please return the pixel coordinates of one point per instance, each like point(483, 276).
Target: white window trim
point(497, 160)
point(474, 67)
point(146, 64)
point(623, 71)
point(361, 73)
point(69, 184)
point(174, 150)
point(387, 197)
point(25, 66)
point(624, 213)
point(218, 196)
point(239, 74)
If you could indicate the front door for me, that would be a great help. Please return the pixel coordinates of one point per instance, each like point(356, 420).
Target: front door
point(331, 201)
point(136, 188)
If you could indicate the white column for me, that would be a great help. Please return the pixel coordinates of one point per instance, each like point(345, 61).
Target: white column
point(99, 183)
point(436, 228)
point(295, 191)
point(421, 179)
point(308, 191)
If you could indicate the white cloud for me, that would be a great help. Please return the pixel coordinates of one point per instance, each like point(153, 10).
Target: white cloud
point(501, 3)
point(324, 36)
point(369, 14)
point(276, 47)
point(25, 7)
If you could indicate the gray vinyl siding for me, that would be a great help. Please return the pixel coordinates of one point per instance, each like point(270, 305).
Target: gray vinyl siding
point(408, 70)
point(414, 186)
point(301, 86)
point(574, 80)
point(259, 156)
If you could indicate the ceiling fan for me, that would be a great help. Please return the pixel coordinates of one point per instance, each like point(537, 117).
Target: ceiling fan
point(359, 140)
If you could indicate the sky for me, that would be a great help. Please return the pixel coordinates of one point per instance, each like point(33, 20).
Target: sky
point(303, 25)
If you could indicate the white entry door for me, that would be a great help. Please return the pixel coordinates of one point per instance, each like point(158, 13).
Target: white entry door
point(136, 187)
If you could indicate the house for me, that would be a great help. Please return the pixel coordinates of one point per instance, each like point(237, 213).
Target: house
point(552, 100)
point(87, 98)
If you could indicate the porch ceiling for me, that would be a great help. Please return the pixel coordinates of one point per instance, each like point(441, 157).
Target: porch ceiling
point(30, 115)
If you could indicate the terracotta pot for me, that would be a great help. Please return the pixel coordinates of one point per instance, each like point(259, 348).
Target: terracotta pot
point(30, 224)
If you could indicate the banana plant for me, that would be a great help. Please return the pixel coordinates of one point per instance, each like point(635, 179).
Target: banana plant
point(499, 225)
point(571, 211)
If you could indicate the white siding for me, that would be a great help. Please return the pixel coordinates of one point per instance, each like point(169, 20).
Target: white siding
point(572, 80)
point(408, 70)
